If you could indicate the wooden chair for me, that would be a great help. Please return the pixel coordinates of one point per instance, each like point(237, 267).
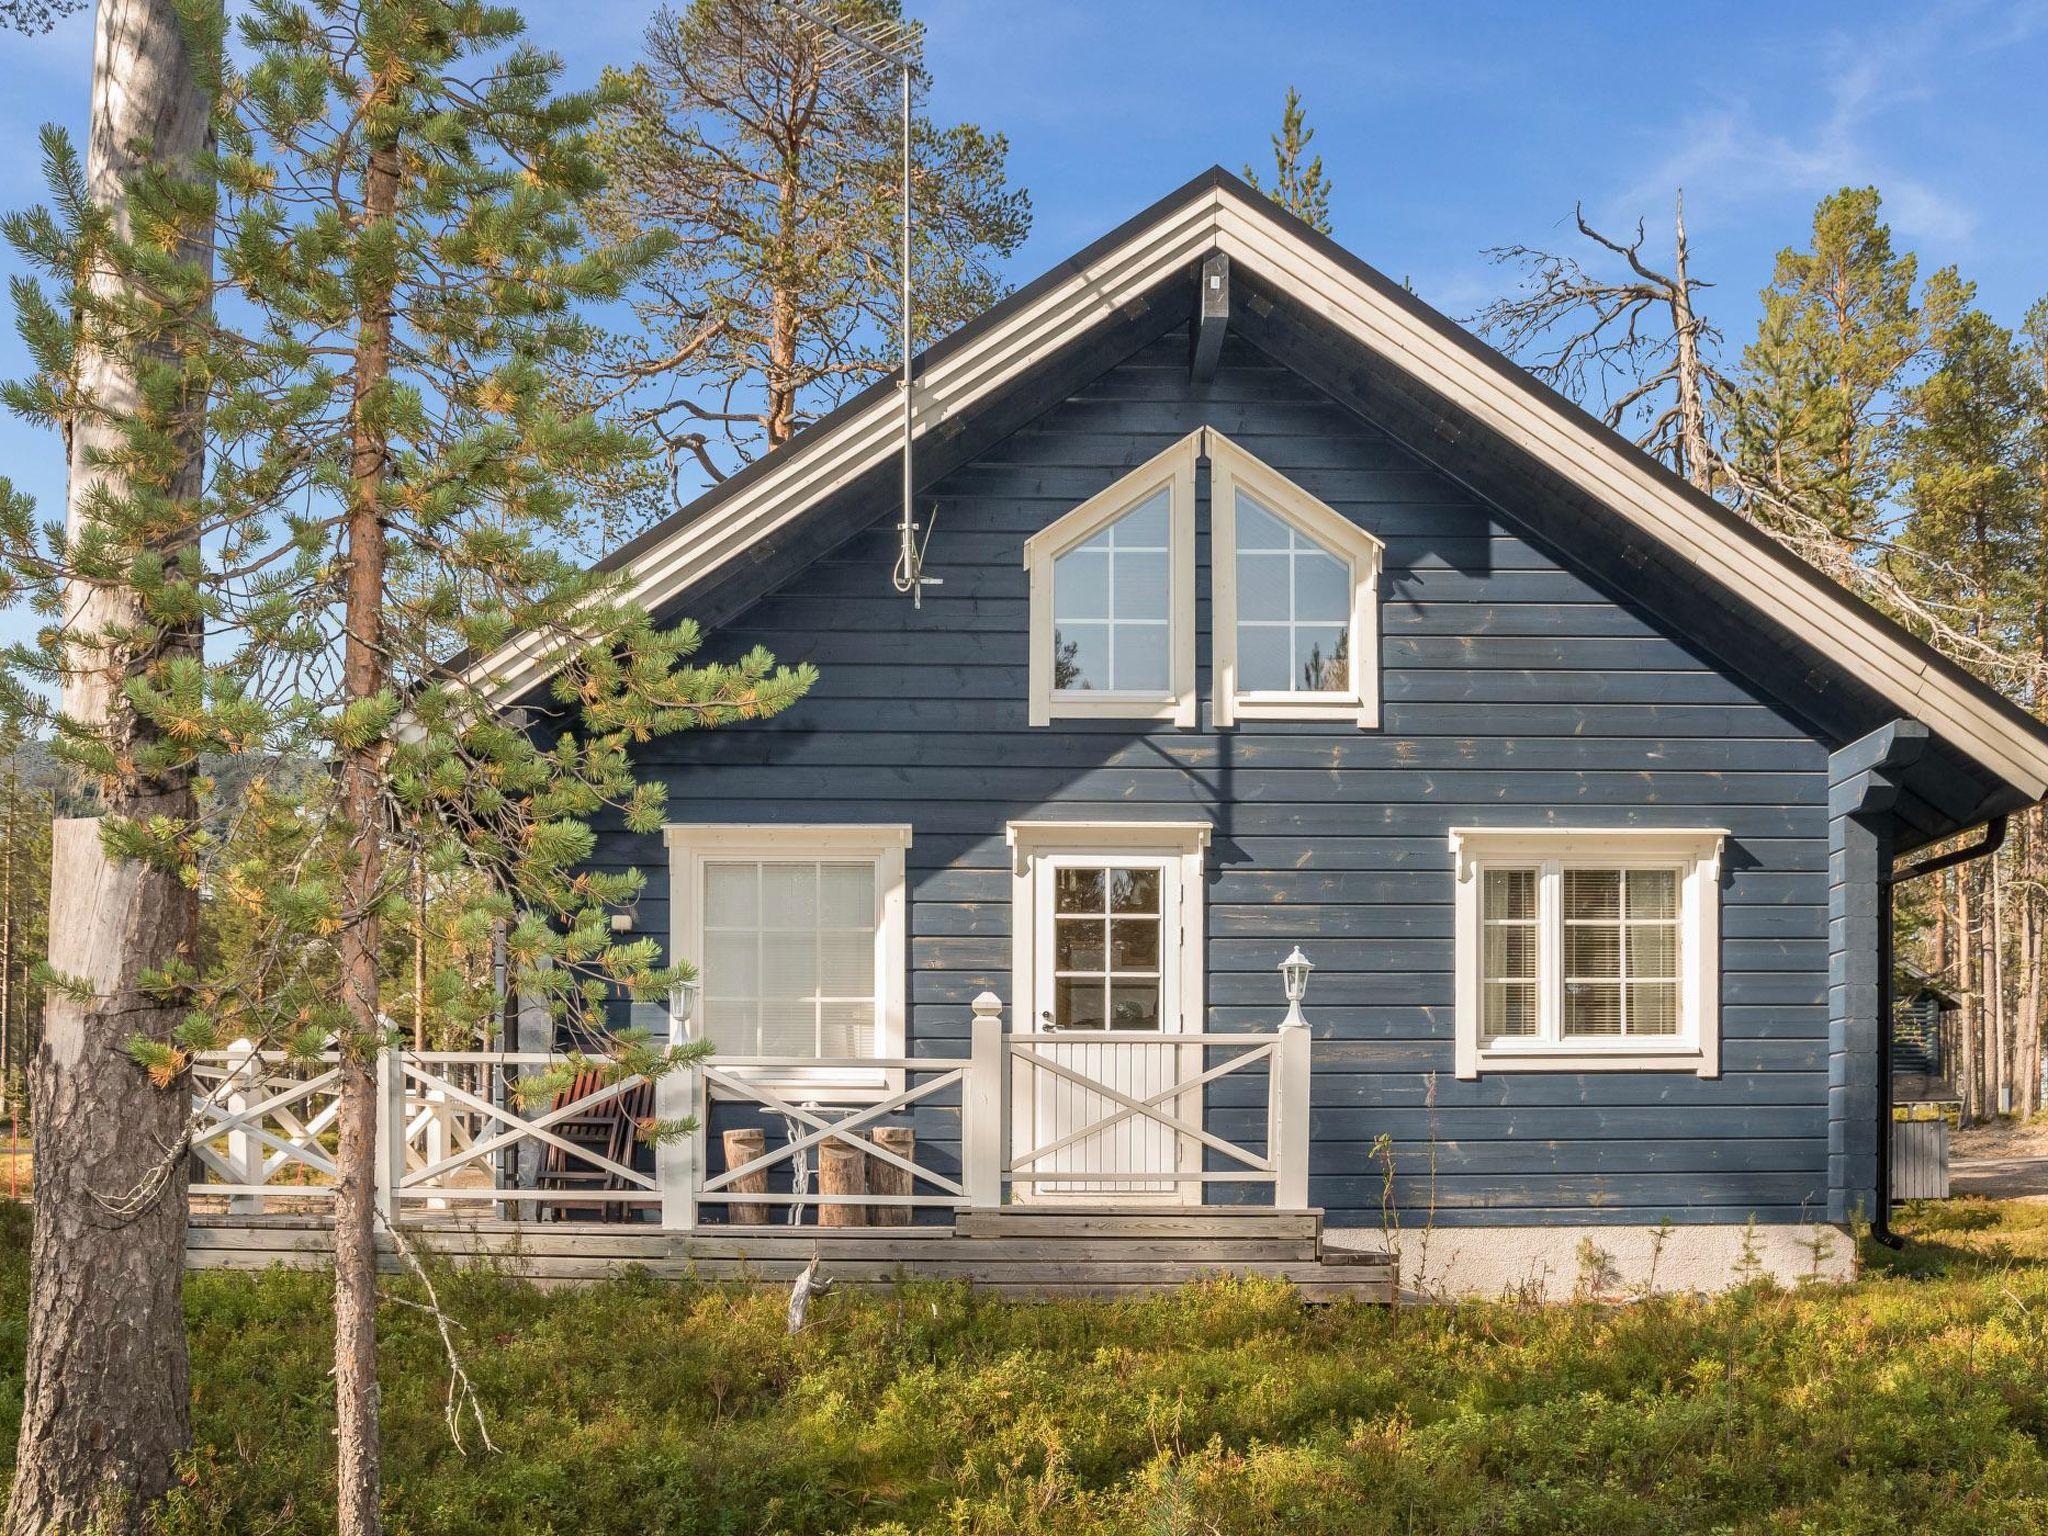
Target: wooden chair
point(609, 1128)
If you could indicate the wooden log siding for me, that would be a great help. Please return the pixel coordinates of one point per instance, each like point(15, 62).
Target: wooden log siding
point(1516, 690)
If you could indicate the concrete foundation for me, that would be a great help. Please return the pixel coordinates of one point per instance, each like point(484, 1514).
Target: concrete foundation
point(1607, 1262)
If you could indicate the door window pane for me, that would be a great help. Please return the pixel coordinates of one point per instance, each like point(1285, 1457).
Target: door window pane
point(1106, 946)
point(1112, 601)
point(1293, 607)
point(788, 967)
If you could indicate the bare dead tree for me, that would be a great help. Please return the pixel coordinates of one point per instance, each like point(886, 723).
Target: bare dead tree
point(1635, 340)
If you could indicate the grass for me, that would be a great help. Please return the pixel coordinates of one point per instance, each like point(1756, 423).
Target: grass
point(1917, 1398)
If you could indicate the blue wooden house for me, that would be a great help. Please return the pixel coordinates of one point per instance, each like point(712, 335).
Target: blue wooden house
point(1271, 613)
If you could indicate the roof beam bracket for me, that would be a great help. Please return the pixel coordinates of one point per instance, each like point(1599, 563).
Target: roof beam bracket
point(1212, 317)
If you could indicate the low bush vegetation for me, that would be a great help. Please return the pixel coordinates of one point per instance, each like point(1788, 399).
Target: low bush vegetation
point(1915, 1399)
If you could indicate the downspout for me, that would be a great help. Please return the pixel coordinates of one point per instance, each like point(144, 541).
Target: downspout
point(1992, 840)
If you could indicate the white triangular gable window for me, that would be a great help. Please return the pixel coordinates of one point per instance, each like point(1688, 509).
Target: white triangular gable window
point(1113, 599)
point(1296, 601)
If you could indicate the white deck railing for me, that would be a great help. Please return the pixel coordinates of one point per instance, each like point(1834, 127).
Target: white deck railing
point(1039, 1116)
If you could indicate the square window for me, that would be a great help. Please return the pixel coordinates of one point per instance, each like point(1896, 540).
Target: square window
point(798, 944)
point(1569, 961)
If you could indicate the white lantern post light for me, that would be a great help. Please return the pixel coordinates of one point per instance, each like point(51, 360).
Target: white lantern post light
point(1287, 1109)
point(1294, 981)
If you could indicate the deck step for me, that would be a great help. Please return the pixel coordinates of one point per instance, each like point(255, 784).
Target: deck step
point(1039, 1253)
point(1197, 1222)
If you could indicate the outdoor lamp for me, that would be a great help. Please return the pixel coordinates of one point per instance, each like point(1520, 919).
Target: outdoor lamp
point(1294, 975)
point(682, 1010)
point(1294, 981)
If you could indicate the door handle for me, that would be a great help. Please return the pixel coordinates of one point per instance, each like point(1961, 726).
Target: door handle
point(1045, 1017)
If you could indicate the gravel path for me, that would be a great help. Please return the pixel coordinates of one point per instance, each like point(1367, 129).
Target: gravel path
point(2000, 1178)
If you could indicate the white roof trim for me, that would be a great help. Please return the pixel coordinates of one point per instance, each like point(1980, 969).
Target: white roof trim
point(1217, 217)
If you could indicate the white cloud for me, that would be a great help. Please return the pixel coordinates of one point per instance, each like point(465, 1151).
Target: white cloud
point(1737, 153)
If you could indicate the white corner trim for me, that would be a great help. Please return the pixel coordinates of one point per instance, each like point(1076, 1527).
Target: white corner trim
point(1695, 853)
point(1173, 472)
point(1218, 218)
point(1231, 468)
point(692, 845)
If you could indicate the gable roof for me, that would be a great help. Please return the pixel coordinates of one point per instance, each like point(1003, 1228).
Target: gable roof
point(1217, 212)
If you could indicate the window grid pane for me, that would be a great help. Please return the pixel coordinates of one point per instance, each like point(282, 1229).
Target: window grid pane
point(1508, 953)
point(1620, 953)
point(1112, 605)
point(789, 957)
point(1294, 607)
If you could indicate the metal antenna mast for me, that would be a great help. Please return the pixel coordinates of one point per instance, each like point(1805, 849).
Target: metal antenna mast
point(862, 51)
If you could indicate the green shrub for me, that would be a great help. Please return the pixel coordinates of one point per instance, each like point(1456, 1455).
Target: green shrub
point(1915, 1398)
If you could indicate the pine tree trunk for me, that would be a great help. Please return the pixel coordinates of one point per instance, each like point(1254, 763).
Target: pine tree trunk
point(1966, 985)
point(1994, 985)
point(2030, 998)
point(359, 1450)
point(7, 948)
point(106, 1408)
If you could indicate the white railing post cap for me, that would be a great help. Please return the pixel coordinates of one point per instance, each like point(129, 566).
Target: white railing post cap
point(987, 1005)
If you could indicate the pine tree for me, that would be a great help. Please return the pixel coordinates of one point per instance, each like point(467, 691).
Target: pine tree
point(404, 191)
point(1965, 457)
point(1302, 189)
point(776, 175)
point(1827, 374)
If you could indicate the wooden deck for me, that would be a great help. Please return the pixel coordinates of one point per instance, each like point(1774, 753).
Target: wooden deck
point(1010, 1252)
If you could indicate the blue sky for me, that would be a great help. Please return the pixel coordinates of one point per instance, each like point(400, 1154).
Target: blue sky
point(1447, 128)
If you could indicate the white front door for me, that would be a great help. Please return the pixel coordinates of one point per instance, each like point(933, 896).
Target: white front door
point(1108, 950)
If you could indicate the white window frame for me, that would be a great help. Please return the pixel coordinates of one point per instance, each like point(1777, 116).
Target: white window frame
point(1232, 468)
point(1694, 853)
point(692, 846)
point(1174, 472)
